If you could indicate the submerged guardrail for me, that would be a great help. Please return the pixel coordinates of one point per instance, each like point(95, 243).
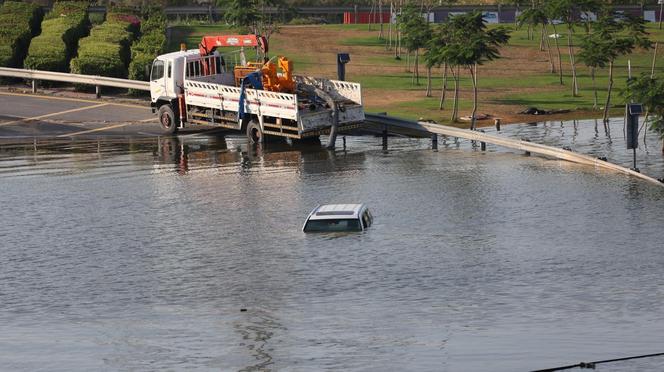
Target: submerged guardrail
point(534, 148)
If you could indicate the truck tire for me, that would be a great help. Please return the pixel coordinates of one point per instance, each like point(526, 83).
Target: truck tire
point(254, 132)
point(169, 123)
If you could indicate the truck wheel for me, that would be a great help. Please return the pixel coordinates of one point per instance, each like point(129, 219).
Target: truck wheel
point(254, 132)
point(167, 119)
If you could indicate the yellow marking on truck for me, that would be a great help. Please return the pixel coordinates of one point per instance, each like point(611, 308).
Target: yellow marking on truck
point(52, 114)
point(70, 99)
point(94, 130)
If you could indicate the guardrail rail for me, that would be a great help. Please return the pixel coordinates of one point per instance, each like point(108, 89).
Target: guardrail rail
point(534, 148)
point(98, 81)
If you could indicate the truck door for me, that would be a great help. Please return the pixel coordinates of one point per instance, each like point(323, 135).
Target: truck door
point(157, 80)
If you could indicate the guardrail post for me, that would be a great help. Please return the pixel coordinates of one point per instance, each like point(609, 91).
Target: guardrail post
point(434, 142)
point(384, 137)
point(98, 91)
point(34, 86)
point(482, 143)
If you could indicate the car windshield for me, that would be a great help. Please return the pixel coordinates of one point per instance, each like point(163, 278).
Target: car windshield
point(333, 225)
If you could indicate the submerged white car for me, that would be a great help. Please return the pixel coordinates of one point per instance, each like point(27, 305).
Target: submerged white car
point(338, 218)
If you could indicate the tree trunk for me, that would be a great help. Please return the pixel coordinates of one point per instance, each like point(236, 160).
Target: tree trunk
point(455, 76)
point(417, 67)
point(473, 117)
point(408, 61)
point(560, 58)
point(371, 11)
point(570, 45)
point(542, 39)
point(654, 60)
point(444, 90)
point(592, 76)
point(428, 81)
point(608, 96)
point(389, 29)
point(548, 48)
point(380, 14)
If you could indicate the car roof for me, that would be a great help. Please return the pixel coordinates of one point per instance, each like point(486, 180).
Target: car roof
point(336, 211)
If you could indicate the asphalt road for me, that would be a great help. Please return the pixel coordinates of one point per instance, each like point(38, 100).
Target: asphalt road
point(30, 116)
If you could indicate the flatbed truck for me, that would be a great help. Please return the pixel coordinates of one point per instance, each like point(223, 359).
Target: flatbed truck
point(205, 87)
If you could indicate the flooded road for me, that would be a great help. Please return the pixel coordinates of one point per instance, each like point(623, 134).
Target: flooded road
point(141, 254)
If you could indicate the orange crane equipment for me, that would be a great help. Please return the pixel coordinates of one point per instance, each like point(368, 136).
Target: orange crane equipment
point(275, 82)
point(210, 43)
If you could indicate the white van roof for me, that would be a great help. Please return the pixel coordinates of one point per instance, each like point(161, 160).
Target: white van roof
point(336, 211)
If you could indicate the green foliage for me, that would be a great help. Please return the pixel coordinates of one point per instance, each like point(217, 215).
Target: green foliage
point(532, 17)
point(106, 51)
point(470, 42)
point(241, 12)
point(151, 43)
point(61, 30)
point(650, 92)
point(19, 22)
point(416, 30)
point(567, 10)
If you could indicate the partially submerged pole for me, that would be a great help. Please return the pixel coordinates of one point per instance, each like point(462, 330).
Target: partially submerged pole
point(384, 137)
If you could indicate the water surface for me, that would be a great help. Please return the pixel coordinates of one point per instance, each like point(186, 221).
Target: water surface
point(140, 254)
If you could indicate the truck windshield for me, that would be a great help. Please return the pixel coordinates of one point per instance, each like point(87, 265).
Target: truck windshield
point(333, 225)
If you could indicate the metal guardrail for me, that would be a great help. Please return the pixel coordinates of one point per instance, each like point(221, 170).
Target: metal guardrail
point(97, 81)
point(535, 148)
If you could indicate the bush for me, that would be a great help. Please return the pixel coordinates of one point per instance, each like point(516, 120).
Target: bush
point(150, 45)
point(19, 22)
point(61, 30)
point(106, 51)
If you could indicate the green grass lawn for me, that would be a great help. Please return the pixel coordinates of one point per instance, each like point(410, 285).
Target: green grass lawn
point(511, 83)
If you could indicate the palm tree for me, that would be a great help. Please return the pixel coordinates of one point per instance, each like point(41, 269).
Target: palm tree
point(609, 40)
point(567, 11)
point(471, 44)
point(416, 33)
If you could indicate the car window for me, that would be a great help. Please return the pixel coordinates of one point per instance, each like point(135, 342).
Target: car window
point(333, 225)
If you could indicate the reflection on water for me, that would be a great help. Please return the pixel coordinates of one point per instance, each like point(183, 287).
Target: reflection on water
point(142, 255)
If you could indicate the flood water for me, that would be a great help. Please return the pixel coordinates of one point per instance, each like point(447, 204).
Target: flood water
point(141, 254)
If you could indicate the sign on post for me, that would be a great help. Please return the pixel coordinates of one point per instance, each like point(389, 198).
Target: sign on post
point(633, 112)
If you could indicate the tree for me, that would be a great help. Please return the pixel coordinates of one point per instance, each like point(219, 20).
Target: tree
point(594, 54)
point(567, 11)
point(433, 56)
point(649, 91)
point(471, 44)
point(533, 17)
point(241, 12)
point(416, 32)
point(609, 40)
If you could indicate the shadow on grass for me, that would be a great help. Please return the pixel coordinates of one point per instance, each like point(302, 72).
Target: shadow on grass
point(536, 102)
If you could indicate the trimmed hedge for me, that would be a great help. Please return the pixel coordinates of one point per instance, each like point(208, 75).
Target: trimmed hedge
point(150, 45)
point(19, 22)
point(106, 51)
point(61, 30)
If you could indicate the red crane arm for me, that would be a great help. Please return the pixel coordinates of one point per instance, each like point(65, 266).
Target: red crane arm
point(210, 43)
